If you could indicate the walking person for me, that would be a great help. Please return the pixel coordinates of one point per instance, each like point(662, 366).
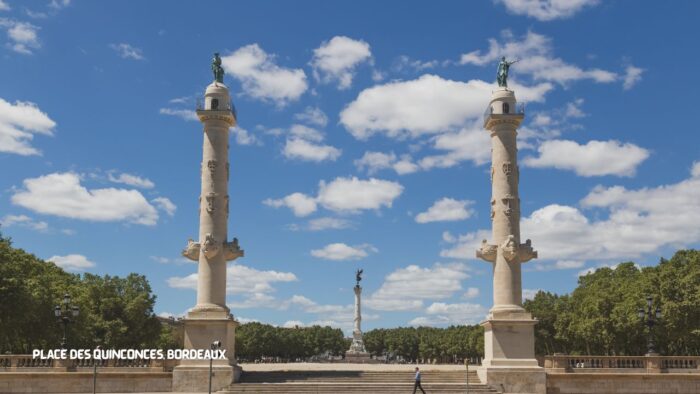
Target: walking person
point(417, 385)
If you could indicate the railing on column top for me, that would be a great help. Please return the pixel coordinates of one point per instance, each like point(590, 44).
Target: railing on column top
point(200, 105)
point(16, 362)
point(622, 363)
point(519, 110)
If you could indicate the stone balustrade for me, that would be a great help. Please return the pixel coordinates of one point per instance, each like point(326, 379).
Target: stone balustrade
point(25, 362)
point(622, 364)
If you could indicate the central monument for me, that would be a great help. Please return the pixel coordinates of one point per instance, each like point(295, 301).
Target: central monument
point(509, 340)
point(357, 352)
point(210, 319)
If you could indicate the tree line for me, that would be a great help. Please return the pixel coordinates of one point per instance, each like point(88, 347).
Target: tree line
point(600, 317)
point(113, 311)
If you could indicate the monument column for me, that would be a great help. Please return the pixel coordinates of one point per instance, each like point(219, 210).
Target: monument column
point(509, 339)
point(210, 319)
point(357, 352)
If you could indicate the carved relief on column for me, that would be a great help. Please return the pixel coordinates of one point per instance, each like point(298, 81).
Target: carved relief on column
point(493, 208)
point(228, 170)
point(509, 206)
point(211, 246)
point(211, 164)
point(514, 252)
point(487, 251)
point(211, 202)
point(226, 206)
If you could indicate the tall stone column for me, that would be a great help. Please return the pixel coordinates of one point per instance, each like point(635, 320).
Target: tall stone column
point(210, 319)
point(509, 340)
point(357, 352)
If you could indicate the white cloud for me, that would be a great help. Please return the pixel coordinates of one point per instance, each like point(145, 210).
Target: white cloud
point(254, 285)
point(632, 76)
point(536, 59)
point(127, 51)
point(303, 143)
point(293, 324)
point(340, 316)
point(463, 246)
point(558, 265)
point(58, 4)
point(313, 116)
point(407, 288)
point(529, 294)
point(427, 105)
point(375, 161)
point(299, 203)
point(262, 78)
point(629, 224)
point(328, 223)
point(23, 36)
point(446, 210)
point(547, 10)
point(695, 170)
point(4, 6)
point(595, 158)
point(61, 194)
point(441, 314)
point(349, 195)
point(185, 114)
point(472, 292)
point(353, 194)
point(131, 180)
point(18, 124)
point(336, 60)
point(24, 221)
point(341, 251)
point(469, 144)
point(244, 137)
point(164, 204)
point(72, 262)
point(404, 62)
point(297, 148)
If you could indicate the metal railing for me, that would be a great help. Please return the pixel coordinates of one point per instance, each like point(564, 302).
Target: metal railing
point(519, 110)
point(650, 363)
point(201, 106)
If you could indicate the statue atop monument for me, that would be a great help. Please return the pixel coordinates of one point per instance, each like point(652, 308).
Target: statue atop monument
point(217, 69)
point(358, 276)
point(502, 73)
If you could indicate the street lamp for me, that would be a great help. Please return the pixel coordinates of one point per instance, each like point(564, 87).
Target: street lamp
point(649, 317)
point(65, 314)
point(214, 346)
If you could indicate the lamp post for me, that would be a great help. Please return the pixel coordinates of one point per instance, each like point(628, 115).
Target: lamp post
point(649, 317)
point(65, 314)
point(214, 346)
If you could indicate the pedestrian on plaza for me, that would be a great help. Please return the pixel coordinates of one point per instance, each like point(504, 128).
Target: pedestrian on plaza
point(417, 385)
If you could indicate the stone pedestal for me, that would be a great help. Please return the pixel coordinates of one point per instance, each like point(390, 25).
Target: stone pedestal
point(201, 328)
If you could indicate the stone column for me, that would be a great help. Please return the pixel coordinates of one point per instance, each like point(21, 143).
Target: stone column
point(357, 352)
point(210, 319)
point(509, 341)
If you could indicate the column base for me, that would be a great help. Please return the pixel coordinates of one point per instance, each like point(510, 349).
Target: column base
point(202, 326)
point(509, 364)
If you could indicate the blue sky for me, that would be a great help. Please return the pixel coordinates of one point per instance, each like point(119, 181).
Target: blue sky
point(359, 145)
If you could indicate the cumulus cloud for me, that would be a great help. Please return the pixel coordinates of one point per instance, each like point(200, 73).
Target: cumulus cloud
point(341, 251)
point(336, 60)
point(446, 210)
point(536, 59)
point(349, 195)
point(19, 122)
point(186, 114)
point(127, 51)
point(628, 224)
point(472, 292)
point(256, 286)
point(23, 37)
point(299, 203)
point(72, 262)
point(131, 180)
point(244, 137)
point(632, 76)
point(164, 204)
point(423, 106)
point(328, 223)
point(372, 162)
point(547, 10)
point(304, 143)
point(4, 6)
point(61, 194)
point(313, 116)
point(407, 288)
point(443, 314)
point(261, 78)
point(24, 221)
point(595, 158)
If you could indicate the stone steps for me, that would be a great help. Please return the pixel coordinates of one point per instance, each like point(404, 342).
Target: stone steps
point(342, 382)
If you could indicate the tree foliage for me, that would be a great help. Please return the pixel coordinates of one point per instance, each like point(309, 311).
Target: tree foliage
point(256, 340)
point(600, 316)
point(116, 312)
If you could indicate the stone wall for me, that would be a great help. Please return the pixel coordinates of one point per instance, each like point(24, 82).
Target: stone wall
point(81, 382)
point(623, 383)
